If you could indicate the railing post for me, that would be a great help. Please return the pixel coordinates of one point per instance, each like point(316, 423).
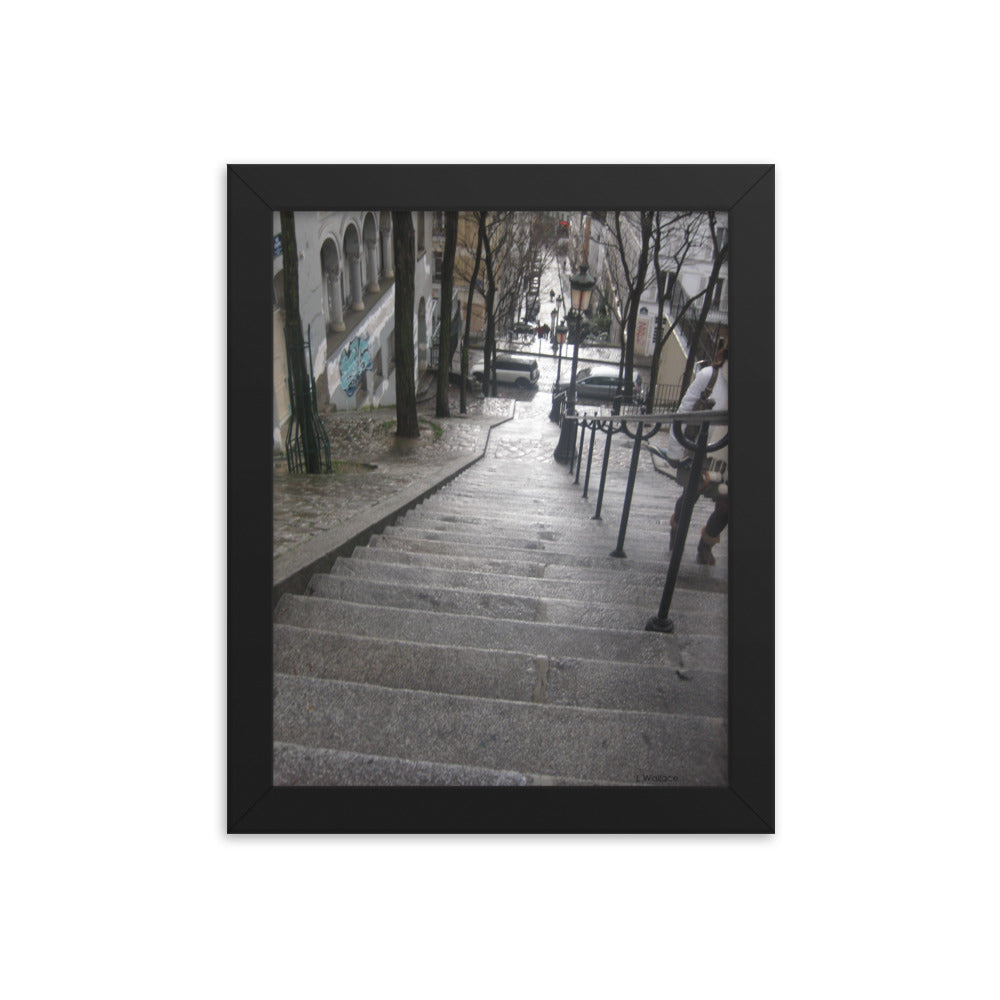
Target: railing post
point(579, 457)
point(619, 552)
point(661, 621)
point(604, 474)
point(567, 440)
point(590, 458)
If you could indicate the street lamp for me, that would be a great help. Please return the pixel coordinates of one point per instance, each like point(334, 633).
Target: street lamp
point(557, 342)
point(558, 338)
point(582, 286)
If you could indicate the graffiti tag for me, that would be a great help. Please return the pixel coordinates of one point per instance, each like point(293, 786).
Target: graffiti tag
point(355, 360)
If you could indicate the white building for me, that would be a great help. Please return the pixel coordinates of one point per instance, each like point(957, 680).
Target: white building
point(347, 308)
point(687, 276)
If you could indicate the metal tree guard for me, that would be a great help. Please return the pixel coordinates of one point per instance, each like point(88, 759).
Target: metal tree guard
point(306, 438)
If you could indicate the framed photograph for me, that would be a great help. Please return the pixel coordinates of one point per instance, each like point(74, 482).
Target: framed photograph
point(480, 576)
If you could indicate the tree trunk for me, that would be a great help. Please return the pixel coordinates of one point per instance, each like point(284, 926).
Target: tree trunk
point(654, 371)
point(463, 405)
point(403, 260)
point(706, 305)
point(646, 234)
point(298, 370)
point(444, 341)
point(489, 348)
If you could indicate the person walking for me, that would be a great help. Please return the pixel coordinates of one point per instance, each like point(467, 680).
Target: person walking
point(709, 390)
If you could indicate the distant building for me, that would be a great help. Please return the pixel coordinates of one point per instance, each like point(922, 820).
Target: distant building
point(347, 307)
point(506, 273)
point(681, 286)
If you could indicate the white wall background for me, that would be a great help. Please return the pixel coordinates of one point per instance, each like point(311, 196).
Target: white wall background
point(882, 879)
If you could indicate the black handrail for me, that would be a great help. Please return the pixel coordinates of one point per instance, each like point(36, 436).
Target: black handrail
point(704, 419)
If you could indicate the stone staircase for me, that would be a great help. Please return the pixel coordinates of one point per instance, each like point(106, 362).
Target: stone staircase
point(487, 638)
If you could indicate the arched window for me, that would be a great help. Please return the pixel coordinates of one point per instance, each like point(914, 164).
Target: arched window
point(352, 287)
point(371, 248)
point(332, 286)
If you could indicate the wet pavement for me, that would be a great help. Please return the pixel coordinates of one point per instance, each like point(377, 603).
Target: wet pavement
point(373, 466)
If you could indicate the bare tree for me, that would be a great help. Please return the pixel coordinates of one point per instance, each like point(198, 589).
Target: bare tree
point(444, 342)
point(301, 390)
point(403, 251)
point(674, 235)
point(678, 239)
point(463, 405)
point(629, 237)
point(720, 254)
point(490, 344)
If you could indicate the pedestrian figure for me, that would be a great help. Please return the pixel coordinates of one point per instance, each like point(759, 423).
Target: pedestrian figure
point(709, 390)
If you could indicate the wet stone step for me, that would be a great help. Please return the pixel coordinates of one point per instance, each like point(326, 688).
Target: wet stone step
point(711, 615)
point(636, 554)
point(479, 505)
point(630, 589)
point(569, 529)
point(316, 766)
point(569, 513)
point(679, 687)
point(601, 569)
point(595, 745)
point(574, 537)
point(444, 629)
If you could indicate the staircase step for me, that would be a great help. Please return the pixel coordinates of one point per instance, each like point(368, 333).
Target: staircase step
point(587, 537)
point(709, 615)
point(488, 507)
point(556, 509)
point(528, 524)
point(442, 629)
point(569, 536)
point(299, 765)
point(585, 744)
point(397, 663)
point(636, 554)
point(641, 591)
point(610, 570)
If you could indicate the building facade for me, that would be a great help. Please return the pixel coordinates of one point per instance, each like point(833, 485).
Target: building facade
point(347, 308)
point(687, 258)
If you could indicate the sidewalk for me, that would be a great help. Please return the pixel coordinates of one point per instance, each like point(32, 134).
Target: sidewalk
point(377, 476)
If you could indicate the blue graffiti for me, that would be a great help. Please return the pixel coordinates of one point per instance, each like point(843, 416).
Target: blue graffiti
point(355, 360)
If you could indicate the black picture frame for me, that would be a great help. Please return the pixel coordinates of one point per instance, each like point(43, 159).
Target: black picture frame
point(254, 805)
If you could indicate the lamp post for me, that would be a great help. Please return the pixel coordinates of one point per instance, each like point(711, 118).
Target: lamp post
point(582, 286)
point(557, 342)
point(560, 339)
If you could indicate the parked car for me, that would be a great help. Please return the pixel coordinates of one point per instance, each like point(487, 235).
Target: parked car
point(523, 330)
point(600, 388)
point(511, 370)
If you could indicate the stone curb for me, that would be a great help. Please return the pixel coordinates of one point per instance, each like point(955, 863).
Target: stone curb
point(292, 570)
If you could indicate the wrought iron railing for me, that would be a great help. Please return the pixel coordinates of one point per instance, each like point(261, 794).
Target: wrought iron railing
point(639, 428)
